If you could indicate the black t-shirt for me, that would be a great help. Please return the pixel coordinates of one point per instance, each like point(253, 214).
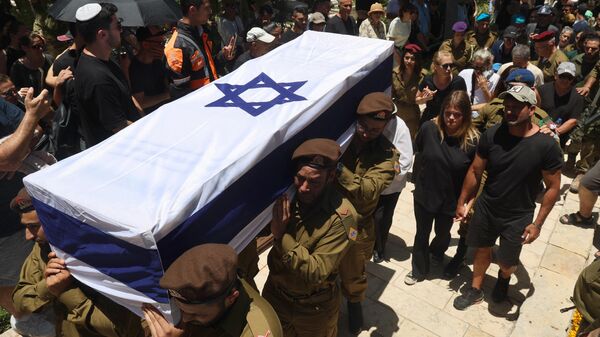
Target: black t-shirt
point(12, 55)
point(24, 77)
point(147, 78)
point(64, 60)
point(103, 98)
point(433, 106)
point(514, 167)
point(442, 171)
point(289, 35)
point(337, 25)
point(564, 107)
point(245, 57)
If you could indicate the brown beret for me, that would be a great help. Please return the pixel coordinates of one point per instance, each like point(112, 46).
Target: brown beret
point(376, 105)
point(201, 274)
point(543, 36)
point(318, 152)
point(22, 202)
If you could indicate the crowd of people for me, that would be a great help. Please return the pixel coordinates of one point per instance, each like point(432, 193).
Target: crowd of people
point(485, 99)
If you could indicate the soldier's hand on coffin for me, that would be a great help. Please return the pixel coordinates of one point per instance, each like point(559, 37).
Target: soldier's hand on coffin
point(58, 277)
point(158, 325)
point(281, 216)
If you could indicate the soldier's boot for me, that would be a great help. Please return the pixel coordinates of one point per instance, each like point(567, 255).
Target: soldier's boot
point(355, 317)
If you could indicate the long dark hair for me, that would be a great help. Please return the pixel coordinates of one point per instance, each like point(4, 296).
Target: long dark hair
point(418, 62)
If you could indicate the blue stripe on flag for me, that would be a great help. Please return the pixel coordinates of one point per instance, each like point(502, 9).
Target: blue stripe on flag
point(141, 269)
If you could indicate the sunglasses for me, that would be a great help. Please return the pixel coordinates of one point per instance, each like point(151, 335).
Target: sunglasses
point(447, 65)
point(38, 46)
point(9, 92)
point(565, 77)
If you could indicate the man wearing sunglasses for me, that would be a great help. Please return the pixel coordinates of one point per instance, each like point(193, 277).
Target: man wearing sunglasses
point(212, 298)
point(369, 165)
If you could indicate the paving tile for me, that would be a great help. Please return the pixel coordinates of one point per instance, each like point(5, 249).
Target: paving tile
point(427, 291)
point(563, 261)
point(474, 332)
point(411, 329)
point(494, 319)
point(379, 320)
point(573, 238)
point(530, 258)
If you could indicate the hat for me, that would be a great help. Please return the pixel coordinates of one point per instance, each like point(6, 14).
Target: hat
point(22, 203)
point(317, 18)
point(318, 153)
point(566, 68)
point(459, 26)
point(545, 10)
point(259, 34)
point(87, 12)
point(376, 8)
point(589, 14)
point(510, 32)
point(65, 37)
point(518, 19)
point(203, 273)
point(483, 17)
point(521, 76)
point(376, 105)
point(521, 93)
point(543, 36)
point(412, 48)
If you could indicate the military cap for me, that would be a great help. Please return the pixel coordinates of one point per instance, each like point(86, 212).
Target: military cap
point(521, 76)
point(459, 26)
point(376, 105)
point(521, 93)
point(22, 202)
point(203, 274)
point(318, 153)
point(412, 48)
point(518, 19)
point(483, 17)
point(543, 36)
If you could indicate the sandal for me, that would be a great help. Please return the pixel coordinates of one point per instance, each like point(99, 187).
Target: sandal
point(576, 219)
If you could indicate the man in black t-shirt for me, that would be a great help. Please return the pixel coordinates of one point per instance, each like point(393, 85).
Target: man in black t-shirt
point(516, 156)
point(343, 22)
point(299, 16)
point(102, 93)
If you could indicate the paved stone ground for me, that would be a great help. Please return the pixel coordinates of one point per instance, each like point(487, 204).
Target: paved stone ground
point(542, 285)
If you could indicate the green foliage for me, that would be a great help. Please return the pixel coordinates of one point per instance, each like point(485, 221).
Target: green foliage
point(4, 320)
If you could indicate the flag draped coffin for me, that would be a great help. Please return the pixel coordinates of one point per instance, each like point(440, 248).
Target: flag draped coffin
point(204, 168)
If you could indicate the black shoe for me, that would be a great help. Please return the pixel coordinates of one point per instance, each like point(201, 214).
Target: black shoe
point(500, 292)
point(452, 268)
point(355, 318)
point(470, 297)
point(377, 258)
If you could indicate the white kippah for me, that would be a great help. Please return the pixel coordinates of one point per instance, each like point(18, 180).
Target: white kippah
point(87, 12)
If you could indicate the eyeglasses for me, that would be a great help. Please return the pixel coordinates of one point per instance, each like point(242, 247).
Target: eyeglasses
point(361, 127)
point(9, 92)
point(38, 46)
point(447, 65)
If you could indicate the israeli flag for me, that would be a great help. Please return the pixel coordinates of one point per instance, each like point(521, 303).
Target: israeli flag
point(204, 168)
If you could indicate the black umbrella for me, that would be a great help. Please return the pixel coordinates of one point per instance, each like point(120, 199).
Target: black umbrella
point(135, 13)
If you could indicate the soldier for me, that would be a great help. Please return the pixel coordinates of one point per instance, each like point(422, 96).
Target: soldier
point(482, 37)
point(549, 56)
point(312, 233)
point(45, 282)
point(368, 167)
point(461, 50)
point(213, 300)
point(587, 64)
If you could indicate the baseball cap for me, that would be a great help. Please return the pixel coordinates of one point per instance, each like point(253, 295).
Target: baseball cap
point(566, 68)
point(65, 37)
point(521, 76)
point(510, 32)
point(459, 26)
point(376, 105)
point(259, 34)
point(518, 19)
point(521, 93)
point(317, 18)
point(318, 153)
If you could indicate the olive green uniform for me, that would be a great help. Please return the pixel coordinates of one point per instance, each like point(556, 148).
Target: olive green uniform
point(463, 53)
point(481, 41)
point(493, 113)
point(303, 265)
point(404, 95)
point(77, 313)
point(548, 66)
point(586, 297)
point(249, 316)
point(365, 174)
point(248, 262)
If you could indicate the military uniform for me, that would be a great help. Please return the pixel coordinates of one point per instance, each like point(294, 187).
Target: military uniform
point(250, 316)
point(493, 113)
point(548, 66)
point(481, 41)
point(462, 54)
point(404, 95)
point(586, 297)
point(248, 262)
point(77, 313)
point(582, 69)
point(365, 174)
point(303, 265)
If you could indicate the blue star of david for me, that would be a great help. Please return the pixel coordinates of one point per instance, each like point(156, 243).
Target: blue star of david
point(233, 91)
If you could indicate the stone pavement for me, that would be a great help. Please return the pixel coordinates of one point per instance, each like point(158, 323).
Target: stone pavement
point(542, 285)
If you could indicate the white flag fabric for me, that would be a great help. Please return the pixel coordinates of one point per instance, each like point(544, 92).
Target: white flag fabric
point(204, 168)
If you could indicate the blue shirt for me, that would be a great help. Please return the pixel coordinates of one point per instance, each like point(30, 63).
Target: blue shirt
point(424, 17)
point(10, 117)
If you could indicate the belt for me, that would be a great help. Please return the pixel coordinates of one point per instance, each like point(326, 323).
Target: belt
point(318, 296)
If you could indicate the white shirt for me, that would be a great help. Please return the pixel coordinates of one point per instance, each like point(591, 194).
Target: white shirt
point(479, 97)
point(399, 32)
point(397, 132)
point(537, 72)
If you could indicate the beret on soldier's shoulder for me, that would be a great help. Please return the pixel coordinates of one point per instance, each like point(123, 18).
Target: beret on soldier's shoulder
point(318, 152)
point(376, 105)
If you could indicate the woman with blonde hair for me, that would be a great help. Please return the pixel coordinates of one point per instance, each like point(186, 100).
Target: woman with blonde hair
point(446, 145)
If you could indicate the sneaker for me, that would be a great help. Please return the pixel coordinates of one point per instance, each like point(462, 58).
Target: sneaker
point(470, 297)
point(377, 257)
point(355, 318)
point(500, 292)
point(452, 268)
point(437, 260)
point(410, 280)
point(574, 188)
